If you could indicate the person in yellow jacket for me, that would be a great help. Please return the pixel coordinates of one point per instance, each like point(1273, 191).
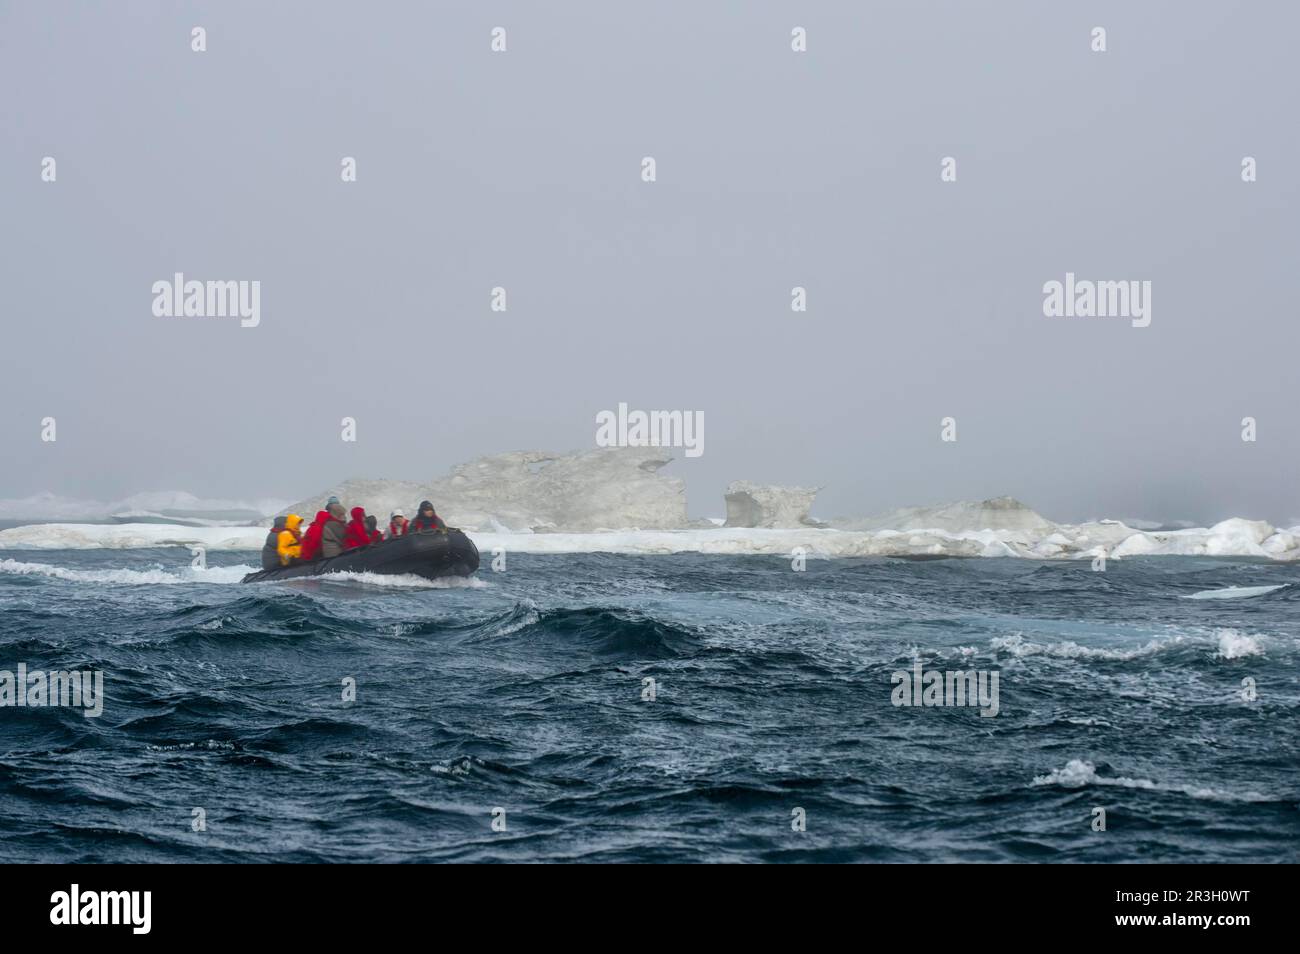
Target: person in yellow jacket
point(289, 543)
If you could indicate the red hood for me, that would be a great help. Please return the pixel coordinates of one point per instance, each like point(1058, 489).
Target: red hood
point(358, 535)
point(322, 516)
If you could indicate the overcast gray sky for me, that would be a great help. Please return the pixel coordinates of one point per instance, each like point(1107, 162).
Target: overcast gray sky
point(775, 169)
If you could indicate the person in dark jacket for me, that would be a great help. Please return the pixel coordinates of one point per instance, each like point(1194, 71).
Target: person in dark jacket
point(271, 549)
point(372, 527)
point(333, 536)
point(426, 519)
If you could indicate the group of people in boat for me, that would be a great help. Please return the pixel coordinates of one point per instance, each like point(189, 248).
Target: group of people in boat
point(331, 534)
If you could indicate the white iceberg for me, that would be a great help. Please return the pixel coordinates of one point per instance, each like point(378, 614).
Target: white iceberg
point(613, 487)
point(767, 505)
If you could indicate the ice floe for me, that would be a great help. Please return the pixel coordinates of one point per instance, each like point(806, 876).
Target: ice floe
point(1239, 538)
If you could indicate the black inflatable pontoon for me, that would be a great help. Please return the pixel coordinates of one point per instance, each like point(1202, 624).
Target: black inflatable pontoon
point(430, 554)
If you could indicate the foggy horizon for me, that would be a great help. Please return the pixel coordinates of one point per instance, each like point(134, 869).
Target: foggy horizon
point(774, 170)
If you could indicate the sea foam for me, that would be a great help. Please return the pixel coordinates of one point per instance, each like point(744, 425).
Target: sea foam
point(1078, 773)
point(1236, 592)
point(154, 577)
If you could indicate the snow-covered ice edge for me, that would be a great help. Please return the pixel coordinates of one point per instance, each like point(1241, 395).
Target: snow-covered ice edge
point(1235, 537)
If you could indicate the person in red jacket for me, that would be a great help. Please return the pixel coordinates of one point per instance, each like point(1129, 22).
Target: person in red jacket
point(397, 523)
point(372, 528)
point(311, 539)
point(358, 535)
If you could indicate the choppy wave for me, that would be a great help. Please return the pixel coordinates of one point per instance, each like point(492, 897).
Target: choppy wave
point(1234, 644)
point(226, 575)
point(641, 708)
point(1230, 644)
point(403, 581)
point(156, 577)
point(1078, 773)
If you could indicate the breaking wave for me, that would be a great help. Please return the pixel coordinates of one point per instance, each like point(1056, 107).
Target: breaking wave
point(228, 574)
point(1078, 773)
point(1234, 644)
point(155, 577)
point(403, 581)
point(1230, 644)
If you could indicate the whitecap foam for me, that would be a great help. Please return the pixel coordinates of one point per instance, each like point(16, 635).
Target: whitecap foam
point(514, 626)
point(1017, 645)
point(1078, 773)
point(154, 577)
point(1236, 592)
point(398, 581)
point(212, 745)
point(226, 575)
point(1234, 644)
point(1230, 644)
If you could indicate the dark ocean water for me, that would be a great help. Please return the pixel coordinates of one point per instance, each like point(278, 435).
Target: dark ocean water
point(773, 694)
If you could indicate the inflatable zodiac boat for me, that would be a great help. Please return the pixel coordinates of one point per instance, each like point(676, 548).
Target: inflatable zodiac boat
point(430, 554)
